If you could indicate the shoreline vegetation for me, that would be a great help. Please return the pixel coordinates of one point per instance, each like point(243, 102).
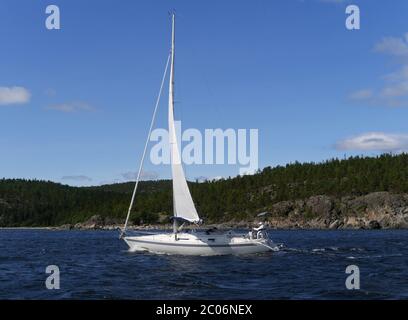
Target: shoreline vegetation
point(353, 193)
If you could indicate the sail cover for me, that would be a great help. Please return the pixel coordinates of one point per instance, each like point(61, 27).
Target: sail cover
point(183, 204)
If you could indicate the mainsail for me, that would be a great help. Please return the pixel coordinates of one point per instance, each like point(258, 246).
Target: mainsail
point(183, 204)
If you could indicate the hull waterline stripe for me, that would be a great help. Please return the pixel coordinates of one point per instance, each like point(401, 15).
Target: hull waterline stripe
point(194, 245)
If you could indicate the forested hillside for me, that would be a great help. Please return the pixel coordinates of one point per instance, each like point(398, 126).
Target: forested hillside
point(42, 203)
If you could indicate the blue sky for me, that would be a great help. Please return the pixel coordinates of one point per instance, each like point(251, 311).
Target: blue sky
point(75, 103)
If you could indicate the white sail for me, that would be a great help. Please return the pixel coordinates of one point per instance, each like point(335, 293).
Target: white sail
point(183, 204)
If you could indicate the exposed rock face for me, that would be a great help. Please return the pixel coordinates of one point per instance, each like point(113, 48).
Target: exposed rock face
point(372, 211)
point(336, 224)
point(282, 208)
point(94, 223)
point(320, 205)
point(66, 227)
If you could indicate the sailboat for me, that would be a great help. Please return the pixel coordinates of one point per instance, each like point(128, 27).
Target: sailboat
point(210, 242)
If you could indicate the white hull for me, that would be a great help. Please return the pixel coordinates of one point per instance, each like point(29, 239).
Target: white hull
point(198, 244)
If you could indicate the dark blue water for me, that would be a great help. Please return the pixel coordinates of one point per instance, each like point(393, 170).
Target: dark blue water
point(96, 265)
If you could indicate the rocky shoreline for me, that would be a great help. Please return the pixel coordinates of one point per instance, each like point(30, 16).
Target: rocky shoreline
point(378, 210)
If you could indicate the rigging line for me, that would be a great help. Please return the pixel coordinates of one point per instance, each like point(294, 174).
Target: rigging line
point(145, 147)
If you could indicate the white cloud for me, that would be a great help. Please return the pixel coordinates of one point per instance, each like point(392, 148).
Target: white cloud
point(394, 91)
point(375, 141)
point(397, 85)
point(77, 178)
point(130, 175)
point(114, 181)
point(71, 107)
point(145, 175)
point(393, 46)
point(14, 95)
point(399, 75)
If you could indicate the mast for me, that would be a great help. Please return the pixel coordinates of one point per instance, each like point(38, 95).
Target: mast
point(171, 108)
point(172, 54)
point(183, 205)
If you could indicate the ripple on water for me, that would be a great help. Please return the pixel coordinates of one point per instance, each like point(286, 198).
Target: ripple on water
point(310, 265)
